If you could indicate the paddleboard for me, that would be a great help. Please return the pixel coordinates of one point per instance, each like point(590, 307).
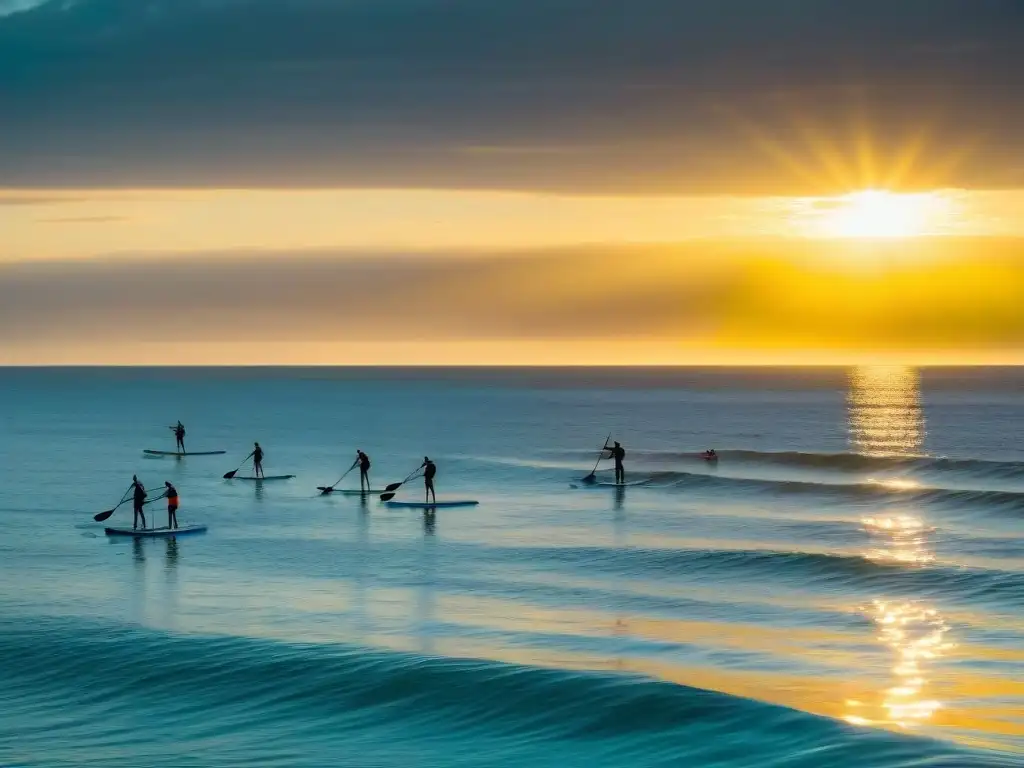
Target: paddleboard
point(261, 479)
point(623, 485)
point(186, 453)
point(433, 505)
point(140, 532)
point(348, 491)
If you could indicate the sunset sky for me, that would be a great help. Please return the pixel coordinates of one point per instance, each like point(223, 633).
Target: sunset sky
point(511, 181)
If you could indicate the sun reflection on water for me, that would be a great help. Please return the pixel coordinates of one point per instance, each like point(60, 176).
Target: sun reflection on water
point(898, 539)
point(916, 635)
point(885, 411)
point(886, 420)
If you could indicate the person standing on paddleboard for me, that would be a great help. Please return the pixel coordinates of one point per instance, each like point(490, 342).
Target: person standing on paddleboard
point(172, 505)
point(138, 499)
point(618, 453)
point(257, 460)
point(364, 470)
point(179, 436)
point(429, 470)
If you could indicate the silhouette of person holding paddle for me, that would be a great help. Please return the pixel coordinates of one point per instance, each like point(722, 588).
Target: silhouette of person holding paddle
point(179, 436)
point(429, 470)
point(364, 470)
point(257, 461)
point(618, 453)
point(138, 499)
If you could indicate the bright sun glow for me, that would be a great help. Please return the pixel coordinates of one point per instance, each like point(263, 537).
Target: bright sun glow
point(877, 214)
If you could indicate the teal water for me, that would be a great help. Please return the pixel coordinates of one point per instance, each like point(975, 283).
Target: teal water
point(844, 588)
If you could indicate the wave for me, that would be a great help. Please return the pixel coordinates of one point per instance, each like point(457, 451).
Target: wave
point(136, 696)
point(905, 467)
point(834, 570)
point(855, 462)
point(995, 500)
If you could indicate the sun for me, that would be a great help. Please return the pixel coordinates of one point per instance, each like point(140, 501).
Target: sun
point(874, 213)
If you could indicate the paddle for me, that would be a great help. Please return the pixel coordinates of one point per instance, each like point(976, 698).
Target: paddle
point(325, 489)
point(229, 475)
point(390, 489)
point(104, 515)
point(590, 478)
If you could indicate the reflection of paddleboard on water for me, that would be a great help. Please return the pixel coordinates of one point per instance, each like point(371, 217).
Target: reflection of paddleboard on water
point(149, 452)
point(602, 484)
point(146, 532)
point(326, 490)
point(432, 504)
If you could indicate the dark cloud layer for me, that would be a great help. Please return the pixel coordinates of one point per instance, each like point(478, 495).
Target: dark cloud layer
point(584, 95)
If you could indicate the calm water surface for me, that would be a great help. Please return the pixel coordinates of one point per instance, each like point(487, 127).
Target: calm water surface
point(845, 587)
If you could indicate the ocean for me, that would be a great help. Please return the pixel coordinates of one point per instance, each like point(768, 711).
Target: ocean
point(845, 587)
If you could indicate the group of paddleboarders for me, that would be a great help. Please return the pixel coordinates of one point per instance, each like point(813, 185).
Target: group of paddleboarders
point(428, 467)
point(139, 494)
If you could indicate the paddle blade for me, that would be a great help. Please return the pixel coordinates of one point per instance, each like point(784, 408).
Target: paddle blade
point(387, 496)
point(102, 516)
point(589, 479)
point(392, 487)
point(324, 489)
point(229, 475)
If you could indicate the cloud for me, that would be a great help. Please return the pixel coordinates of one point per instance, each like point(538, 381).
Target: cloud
point(37, 199)
point(943, 294)
point(654, 95)
point(84, 219)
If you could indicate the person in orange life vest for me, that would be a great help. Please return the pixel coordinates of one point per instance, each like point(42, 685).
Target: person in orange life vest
point(172, 505)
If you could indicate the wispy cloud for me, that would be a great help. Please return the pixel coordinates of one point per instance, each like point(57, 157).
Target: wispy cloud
point(36, 199)
point(83, 219)
point(961, 295)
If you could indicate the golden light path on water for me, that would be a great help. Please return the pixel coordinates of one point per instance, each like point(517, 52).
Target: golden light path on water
point(885, 411)
point(886, 420)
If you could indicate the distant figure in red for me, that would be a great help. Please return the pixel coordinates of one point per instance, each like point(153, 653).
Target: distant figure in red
point(172, 505)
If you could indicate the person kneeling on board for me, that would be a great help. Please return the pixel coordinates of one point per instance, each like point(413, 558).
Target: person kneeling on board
point(364, 470)
point(618, 453)
point(429, 470)
point(172, 505)
point(138, 499)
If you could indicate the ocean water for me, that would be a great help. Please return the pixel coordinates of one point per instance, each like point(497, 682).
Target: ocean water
point(844, 588)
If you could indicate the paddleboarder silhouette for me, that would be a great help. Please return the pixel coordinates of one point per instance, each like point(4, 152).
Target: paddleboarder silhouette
point(257, 460)
point(364, 470)
point(429, 470)
point(618, 453)
point(138, 499)
point(172, 505)
point(179, 436)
